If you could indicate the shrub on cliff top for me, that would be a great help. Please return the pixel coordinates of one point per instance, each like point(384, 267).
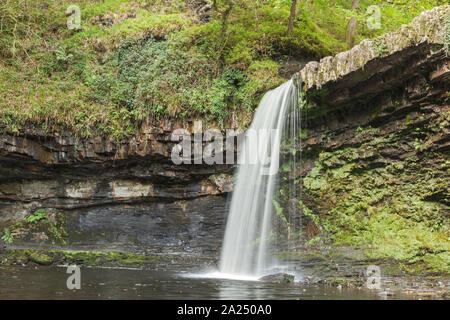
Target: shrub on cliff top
point(95, 79)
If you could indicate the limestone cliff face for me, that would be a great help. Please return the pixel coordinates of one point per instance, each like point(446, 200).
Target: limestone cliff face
point(375, 158)
point(108, 193)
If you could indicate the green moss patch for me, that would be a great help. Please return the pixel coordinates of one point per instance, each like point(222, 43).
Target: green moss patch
point(387, 208)
point(88, 258)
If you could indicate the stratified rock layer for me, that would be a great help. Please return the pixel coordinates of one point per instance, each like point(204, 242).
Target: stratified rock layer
point(111, 194)
point(375, 158)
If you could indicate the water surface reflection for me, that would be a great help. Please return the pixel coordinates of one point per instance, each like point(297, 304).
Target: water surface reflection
point(98, 283)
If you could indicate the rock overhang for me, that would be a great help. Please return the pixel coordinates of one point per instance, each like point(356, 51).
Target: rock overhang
point(374, 66)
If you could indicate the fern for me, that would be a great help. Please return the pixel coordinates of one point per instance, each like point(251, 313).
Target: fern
point(279, 211)
point(36, 216)
point(7, 236)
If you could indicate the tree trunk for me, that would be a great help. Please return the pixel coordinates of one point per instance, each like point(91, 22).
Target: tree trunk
point(292, 17)
point(352, 26)
point(224, 26)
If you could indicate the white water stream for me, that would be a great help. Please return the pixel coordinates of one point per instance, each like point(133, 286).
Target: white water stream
point(248, 234)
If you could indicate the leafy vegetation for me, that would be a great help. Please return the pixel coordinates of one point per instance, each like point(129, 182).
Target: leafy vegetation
point(51, 225)
point(36, 216)
point(7, 236)
point(133, 61)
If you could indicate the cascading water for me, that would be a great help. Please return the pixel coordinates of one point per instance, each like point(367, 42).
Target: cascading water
point(251, 230)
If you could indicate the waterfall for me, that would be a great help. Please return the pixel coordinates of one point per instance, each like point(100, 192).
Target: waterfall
point(254, 219)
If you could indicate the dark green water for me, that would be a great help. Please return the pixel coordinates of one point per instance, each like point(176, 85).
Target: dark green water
point(98, 283)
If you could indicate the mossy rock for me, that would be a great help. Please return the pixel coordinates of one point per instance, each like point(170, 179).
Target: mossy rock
point(278, 278)
point(40, 258)
point(90, 258)
point(96, 258)
point(11, 257)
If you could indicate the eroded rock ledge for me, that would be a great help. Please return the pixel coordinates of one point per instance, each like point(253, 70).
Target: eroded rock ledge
point(374, 65)
point(112, 194)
